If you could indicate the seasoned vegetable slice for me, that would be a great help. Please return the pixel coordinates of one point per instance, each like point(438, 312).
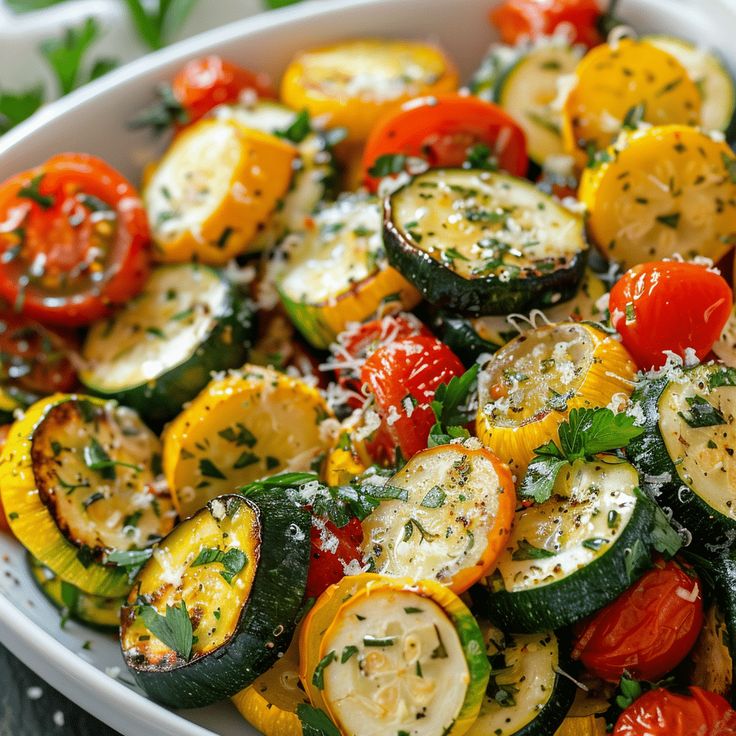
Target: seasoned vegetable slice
point(483, 242)
point(450, 520)
point(241, 427)
point(390, 655)
point(354, 83)
point(216, 604)
point(529, 386)
point(158, 352)
point(712, 661)
point(662, 191)
point(336, 272)
point(574, 553)
point(213, 189)
point(80, 487)
point(617, 82)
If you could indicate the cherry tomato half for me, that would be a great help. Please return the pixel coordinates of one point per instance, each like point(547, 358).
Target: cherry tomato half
point(648, 630)
point(516, 19)
point(403, 376)
point(356, 344)
point(73, 240)
point(34, 358)
point(444, 131)
point(332, 548)
point(203, 83)
point(664, 713)
point(669, 305)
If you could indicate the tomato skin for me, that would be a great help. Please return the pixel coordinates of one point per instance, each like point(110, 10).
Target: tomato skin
point(664, 713)
point(356, 345)
point(531, 18)
point(414, 366)
point(208, 81)
point(671, 306)
point(441, 129)
point(65, 234)
point(38, 357)
point(647, 631)
point(326, 566)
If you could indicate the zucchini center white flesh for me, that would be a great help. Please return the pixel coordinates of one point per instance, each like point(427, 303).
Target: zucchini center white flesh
point(535, 370)
point(592, 504)
point(482, 224)
point(343, 248)
point(117, 506)
point(409, 672)
point(703, 456)
point(524, 684)
point(443, 525)
point(158, 330)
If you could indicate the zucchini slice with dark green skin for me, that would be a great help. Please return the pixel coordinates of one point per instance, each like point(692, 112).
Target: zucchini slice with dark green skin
point(686, 454)
point(158, 351)
point(480, 242)
point(575, 553)
point(95, 611)
point(526, 695)
point(231, 579)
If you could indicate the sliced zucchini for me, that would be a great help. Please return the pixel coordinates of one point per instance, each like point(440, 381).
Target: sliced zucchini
point(314, 169)
point(158, 352)
point(712, 656)
point(686, 454)
point(623, 83)
point(214, 189)
point(711, 77)
point(394, 655)
point(526, 695)
point(79, 482)
point(247, 425)
point(90, 610)
point(482, 242)
point(270, 703)
point(529, 89)
point(469, 337)
point(574, 553)
point(529, 386)
point(337, 272)
point(450, 520)
point(661, 191)
point(354, 83)
point(216, 604)
point(499, 59)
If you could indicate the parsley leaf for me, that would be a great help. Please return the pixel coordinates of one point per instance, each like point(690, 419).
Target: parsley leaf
point(315, 722)
point(234, 560)
point(388, 164)
point(162, 114)
point(128, 558)
point(450, 408)
point(540, 477)
point(158, 22)
point(32, 191)
point(480, 156)
point(15, 107)
point(27, 6)
point(702, 413)
point(96, 458)
point(634, 116)
point(65, 54)
point(525, 550)
point(299, 129)
point(174, 629)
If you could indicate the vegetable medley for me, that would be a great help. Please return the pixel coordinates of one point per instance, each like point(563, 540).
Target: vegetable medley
point(391, 407)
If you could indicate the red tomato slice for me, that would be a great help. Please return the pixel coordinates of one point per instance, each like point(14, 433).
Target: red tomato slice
point(663, 713)
point(517, 19)
point(403, 377)
point(648, 630)
point(73, 240)
point(442, 130)
point(357, 343)
point(35, 358)
point(669, 305)
point(203, 83)
point(332, 548)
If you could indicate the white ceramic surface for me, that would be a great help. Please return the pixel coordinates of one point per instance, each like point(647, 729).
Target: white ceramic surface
point(93, 119)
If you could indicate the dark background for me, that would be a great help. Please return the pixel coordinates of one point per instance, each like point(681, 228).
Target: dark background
point(22, 716)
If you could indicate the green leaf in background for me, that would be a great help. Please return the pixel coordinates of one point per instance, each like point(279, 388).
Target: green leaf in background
point(158, 25)
point(280, 3)
point(15, 107)
point(102, 67)
point(26, 6)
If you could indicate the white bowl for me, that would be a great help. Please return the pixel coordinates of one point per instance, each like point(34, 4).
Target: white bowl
point(93, 119)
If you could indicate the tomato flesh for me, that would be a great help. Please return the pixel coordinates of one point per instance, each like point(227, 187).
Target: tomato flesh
point(402, 377)
point(663, 713)
point(443, 131)
point(648, 630)
point(73, 240)
point(332, 548)
point(669, 306)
